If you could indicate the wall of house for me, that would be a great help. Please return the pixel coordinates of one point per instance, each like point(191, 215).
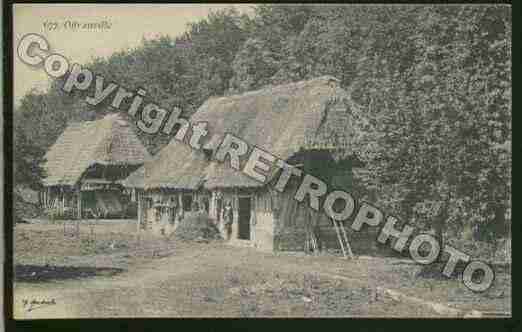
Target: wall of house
point(263, 221)
point(280, 223)
point(156, 219)
point(162, 220)
point(292, 219)
point(261, 216)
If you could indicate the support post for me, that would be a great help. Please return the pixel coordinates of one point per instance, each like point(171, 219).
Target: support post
point(79, 203)
point(63, 202)
point(79, 215)
point(140, 209)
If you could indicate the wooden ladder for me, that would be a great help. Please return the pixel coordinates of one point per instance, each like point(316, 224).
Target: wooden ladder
point(343, 239)
point(311, 242)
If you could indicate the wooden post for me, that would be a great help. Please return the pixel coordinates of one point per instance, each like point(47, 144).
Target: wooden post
point(79, 214)
point(63, 202)
point(211, 206)
point(140, 209)
point(79, 203)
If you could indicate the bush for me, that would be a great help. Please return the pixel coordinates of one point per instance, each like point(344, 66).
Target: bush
point(197, 227)
point(23, 209)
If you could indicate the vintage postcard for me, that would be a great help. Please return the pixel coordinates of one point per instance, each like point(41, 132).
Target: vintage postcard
point(260, 160)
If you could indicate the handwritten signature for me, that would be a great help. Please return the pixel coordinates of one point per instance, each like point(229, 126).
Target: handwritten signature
point(32, 304)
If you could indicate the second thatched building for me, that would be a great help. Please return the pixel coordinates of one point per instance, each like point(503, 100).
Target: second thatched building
point(85, 165)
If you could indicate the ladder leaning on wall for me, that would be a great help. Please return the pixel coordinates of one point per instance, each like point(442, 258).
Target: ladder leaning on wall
point(343, 239)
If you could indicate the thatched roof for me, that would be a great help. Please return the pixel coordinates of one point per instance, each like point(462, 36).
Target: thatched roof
point(218, 175)
point(135, 180)
point(177, 166)
point(285, 118)
point(282, 120)
point(108, 141)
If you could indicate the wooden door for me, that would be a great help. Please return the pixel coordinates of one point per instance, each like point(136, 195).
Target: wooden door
point(244, 213)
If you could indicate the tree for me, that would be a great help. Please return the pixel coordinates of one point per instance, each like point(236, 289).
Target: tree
point(433, 84)
point(27, 161)
point(442, 124)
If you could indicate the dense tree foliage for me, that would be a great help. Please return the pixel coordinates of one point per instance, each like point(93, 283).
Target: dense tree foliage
point(433, 83)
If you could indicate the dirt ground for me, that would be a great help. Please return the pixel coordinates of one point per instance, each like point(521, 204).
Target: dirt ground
point(109, 271)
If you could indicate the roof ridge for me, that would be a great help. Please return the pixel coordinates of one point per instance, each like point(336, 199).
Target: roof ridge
point(270, 87)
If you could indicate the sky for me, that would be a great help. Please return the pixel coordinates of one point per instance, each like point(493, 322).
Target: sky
point(129, 24)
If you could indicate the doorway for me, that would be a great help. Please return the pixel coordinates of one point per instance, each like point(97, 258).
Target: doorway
point(88, 203)
point(187, 202)
point(245, 204)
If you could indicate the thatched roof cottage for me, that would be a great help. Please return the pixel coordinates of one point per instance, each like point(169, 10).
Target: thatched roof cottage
point(172, 179)
point(86, 162)
point(308, 124)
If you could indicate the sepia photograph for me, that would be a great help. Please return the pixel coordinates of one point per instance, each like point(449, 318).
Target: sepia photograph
point(261, 160)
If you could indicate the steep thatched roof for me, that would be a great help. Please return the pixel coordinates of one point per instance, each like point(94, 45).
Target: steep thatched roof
point(282, 120)
point(135, 180)
point(177, 166)
point(108, 141)
point(285, 118)
point(218, 175)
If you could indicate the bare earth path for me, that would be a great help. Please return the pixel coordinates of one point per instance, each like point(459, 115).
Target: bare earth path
point(214, 280)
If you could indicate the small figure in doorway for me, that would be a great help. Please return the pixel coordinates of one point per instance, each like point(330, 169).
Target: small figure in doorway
point(180, 215)
point(228, 218)
point(205, 204)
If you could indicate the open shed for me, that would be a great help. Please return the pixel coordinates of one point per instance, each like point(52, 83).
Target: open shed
point(85, 165)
